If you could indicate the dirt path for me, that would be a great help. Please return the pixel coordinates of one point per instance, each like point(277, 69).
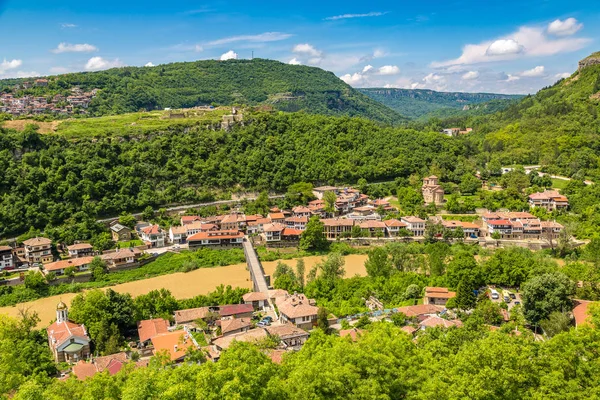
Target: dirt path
point(183, 285)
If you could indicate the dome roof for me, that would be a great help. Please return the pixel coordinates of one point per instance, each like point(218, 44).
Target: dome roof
point(61, 306)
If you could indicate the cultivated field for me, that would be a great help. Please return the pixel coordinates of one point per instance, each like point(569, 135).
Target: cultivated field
point(20, 124)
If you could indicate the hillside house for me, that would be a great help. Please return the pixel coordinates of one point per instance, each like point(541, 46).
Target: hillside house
point(175, 344)
point(550, 200)
point(276, 217)
point(298, 310)
point(415, 225)
point(6, 258)
point(394, 227)
point(193, 314)
point(234, 325)
point(236, 311)
point(68, 341)
point(302, 211)
point(59, 267)
point(122, 258)
point(520, 226)
point(372, 228)
point(290, 336)
point(219, 239)
point(335, 228)
point(178, 234)
point(189, 219)
point(319, 192)
point(80, 250)
point(112, 364)
point(297, 222)
point(120, 233)
point(38, 250)
point(153, 236)
point(258, 300)
point(273, 232)
point(437, 296)
point(149, 328)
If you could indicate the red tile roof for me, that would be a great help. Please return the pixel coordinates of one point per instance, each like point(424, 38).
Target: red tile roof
point(580, 312)
point(175, 343)
point(216, 235)
point(79, 246)
point(235, 309)
point(291, 232)
point(149, 328)
point(73, 262)
point(152, 230)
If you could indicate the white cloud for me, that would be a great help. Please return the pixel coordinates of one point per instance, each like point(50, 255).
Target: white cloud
point(378, 53)
point(307, 49)
point(67, 26)
point(99, 63)
point(367, 68)
point(511, 78)
point(568, 27)
point(534, 72)
point(562, 75)
point(349, 16)
point(8, 65)
point(198, 48)
point(353, 79)
point(21, 74)
point(470, 76)
point(295, 61)
point(149, 64)
point(388, 70)
point(502, 47)
point(525, 42)
point(230, 55)
point(74, 48)
point(261, 38)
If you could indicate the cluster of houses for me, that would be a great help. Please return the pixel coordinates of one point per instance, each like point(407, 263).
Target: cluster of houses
point(454, 132)
point(520, 226)
point(75, 103)
point(207, 329)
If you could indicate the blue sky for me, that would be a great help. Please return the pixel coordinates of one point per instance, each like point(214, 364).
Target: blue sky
point(454, 45)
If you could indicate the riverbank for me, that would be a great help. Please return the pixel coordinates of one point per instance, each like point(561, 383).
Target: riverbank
point(184, 285)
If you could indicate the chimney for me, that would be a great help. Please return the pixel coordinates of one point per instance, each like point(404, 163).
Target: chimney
point(175, 348)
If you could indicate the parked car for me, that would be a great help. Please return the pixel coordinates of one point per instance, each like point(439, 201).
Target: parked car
point(495, 294)
point(512, 296)
point(268, 318)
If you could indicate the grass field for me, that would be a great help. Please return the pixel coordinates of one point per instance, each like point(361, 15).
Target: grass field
point(559, 183)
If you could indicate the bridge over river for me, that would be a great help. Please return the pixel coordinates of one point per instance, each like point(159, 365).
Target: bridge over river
point(257, 273)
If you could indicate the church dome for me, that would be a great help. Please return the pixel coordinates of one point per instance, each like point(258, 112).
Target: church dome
point(61, 306)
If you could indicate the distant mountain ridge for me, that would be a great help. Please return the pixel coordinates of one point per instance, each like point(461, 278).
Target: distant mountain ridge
point(424, 103)
point(188, 84)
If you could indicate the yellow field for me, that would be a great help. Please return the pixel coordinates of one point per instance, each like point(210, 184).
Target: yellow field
point(183, 285)
point(20, 124)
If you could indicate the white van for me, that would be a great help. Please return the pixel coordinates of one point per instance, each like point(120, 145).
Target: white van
point(495, 294)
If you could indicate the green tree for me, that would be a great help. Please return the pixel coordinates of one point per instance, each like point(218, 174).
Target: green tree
point(469, 184)
point(127, 220)
point(313, 237)
point(333, 267)
point(556, 323)
point(399, 319)
point(465, 297)
point(330, 198)
point(300, 272)
point(356, 231)
point(378, 264)
point(322, 322)
point(99, 270)
point(489, 312)
point(148, 213)
point(542, 295)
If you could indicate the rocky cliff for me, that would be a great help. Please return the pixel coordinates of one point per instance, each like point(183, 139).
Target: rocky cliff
point(594, 59)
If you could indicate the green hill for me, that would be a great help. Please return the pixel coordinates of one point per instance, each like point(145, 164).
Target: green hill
point(246, 82)
point(423, 104)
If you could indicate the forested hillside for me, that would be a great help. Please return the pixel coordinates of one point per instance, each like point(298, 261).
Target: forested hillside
point(424, 103)
point(48, 179)
point(189, 84)
point(559, 128)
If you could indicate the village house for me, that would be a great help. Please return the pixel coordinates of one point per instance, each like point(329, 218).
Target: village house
point(175, 344)
point(38, 250)
point(236, 311)
point(520, 226)
point(154, 236)
point(234, 325)
point(122, 258)
point(273, 232)
point(437, 296)
point(177, 234)
point(232, 222)
point(414, 224)
point(372, 228)
point(298, 310)
point(384, 204)
point(221, 239)
point(433, 193)
point(68, 341)
point(291, 236)
point(290, 336)
point(471, 230)
point(120, 233)
point(550, 200)
point(319, 192)
point(302, 211)
point(258, 300)
point(200, 226)
point(189, 219)
point(420, 310)
point(276, 217)
point(257, 226)
point(394, 227)
point(353, 333)
point(78, 264)
point(335, 228)
point(298, 223)
point(6, 258)
point(251, 336)
point(317, 207)
point(149, 328)
point(112, 364)
point(191, 315)
point(364, 213)
point(435, 321)
point(80, 250)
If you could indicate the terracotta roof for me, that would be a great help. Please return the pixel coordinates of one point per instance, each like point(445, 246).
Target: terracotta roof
point(394, 223)
point(83, 370)
point(301, 210)
point(149, 328)
point(252, 335)
point(276, 216)
point(286, 331)
point(439, 293)
point(187, 219)
point(435, 321)
point(580, 312)
point(103, 362)
point(469, 225)
point(38, 241)
point(409, 329)
point(191, 314)
point(500, 222)
point(114, 367)
point(420, 309)
point(275, 293)
point(230, 219)
point(152, 230)
point(372, 225)
point(276, 227)
point(276, 355)
point(216, 235)
point(299, 220)
point(79, 246)
point(5, 248)
point(254, 296)
point(234, 324)
point(61, 331)
point(178, 230)
point(296, 306)
point(353, 333)
point(72, 262)
point(413, 219)
point(234, 309)
point(292, 232)
point(176, 343)
point(380, 202)
point(122, 253)
point(337, 222)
